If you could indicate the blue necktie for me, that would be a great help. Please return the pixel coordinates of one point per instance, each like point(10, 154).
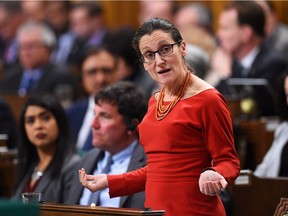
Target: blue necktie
point(94, 198)
point(30, 84)
point(238, 70)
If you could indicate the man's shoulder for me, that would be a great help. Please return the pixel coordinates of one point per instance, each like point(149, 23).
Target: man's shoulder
point(13, 71)
point(269, 54)
point(81, 104)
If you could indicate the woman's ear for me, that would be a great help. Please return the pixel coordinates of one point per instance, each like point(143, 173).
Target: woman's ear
point(183, 48)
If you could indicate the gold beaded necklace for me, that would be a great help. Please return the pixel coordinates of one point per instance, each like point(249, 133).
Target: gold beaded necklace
point(161, 109)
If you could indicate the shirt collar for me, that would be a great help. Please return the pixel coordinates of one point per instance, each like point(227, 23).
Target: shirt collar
point(35, 73)
point(91, 102)
point(120, 156)
point(248, 60)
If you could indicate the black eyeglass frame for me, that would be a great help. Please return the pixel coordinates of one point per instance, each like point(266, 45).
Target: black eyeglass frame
point(142, 58)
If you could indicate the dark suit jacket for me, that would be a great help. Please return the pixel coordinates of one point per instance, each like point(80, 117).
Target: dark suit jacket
point(53, 190)
point(89, 162)
point(268, 65)
point(76, 114)
point(52, 77)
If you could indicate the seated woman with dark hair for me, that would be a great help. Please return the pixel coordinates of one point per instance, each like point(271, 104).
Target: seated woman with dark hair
point(46, 151)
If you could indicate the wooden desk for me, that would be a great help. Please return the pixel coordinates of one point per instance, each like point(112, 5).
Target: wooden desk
point(7, 173)
point(253, 196)
point(15, 102)
point(50, 209)
point(257, 140)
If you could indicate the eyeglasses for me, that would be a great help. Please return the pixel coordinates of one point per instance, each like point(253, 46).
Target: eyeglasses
point(31, 46)
point(93, 71)
point(163, 51)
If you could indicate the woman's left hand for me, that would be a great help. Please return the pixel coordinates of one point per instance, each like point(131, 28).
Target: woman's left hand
point(211, 183)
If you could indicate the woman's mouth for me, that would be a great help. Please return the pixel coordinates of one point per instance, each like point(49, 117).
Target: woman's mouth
point(163, 71)
point(40, 136)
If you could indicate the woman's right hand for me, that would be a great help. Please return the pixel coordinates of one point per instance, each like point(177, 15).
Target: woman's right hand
point(91, 182)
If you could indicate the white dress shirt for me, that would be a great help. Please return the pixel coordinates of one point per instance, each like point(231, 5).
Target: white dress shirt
point(270, 165)
point(86, 125)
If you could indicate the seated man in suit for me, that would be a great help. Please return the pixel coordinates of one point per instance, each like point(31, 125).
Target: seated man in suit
point(244, 54)
point(98, 70)
point(35, 72)
point(119, 108)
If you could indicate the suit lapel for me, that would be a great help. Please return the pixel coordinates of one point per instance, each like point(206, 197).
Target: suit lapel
point(43, 77)
point(256, 62)
point(44, 182)
point(89, 165)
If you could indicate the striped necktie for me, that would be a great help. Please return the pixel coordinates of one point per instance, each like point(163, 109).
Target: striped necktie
point(94, 198)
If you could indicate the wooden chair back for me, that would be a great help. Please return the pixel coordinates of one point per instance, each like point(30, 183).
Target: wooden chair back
point(252, 195)
point(15, 102)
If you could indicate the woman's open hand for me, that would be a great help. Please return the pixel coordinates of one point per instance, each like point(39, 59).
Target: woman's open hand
point(91, 182)
point(211, 183)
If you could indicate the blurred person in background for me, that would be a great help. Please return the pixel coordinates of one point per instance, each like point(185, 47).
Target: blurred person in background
point(276, 31)
point(35, 71)
point(243, 54)
point(11, 17)
point(198, 59)
point(88, 26)
point(99, 69)
point(57, 17)
point(46, 150)
point(152, 9)
point(34, 10)
point(195, 22)
point(194, 15)
point(275, 161)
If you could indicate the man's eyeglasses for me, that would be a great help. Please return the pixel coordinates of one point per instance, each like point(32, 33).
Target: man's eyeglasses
point(163, 51)
point(93, 71)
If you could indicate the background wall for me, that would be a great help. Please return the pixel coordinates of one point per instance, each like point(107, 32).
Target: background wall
point(125, 12)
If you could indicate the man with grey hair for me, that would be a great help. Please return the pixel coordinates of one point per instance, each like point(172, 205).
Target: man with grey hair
point(198, 59)
point(194, 14)
point(35, 71)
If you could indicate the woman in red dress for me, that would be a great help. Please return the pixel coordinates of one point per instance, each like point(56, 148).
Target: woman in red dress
point(186, 133)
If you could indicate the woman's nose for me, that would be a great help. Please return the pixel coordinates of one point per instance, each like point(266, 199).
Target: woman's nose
point(38, 123)
point(158, 58)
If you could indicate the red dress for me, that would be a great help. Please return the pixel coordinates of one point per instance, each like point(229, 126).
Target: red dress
point(196, 135)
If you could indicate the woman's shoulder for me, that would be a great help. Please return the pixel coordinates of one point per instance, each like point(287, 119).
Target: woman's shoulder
point(199, 86)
